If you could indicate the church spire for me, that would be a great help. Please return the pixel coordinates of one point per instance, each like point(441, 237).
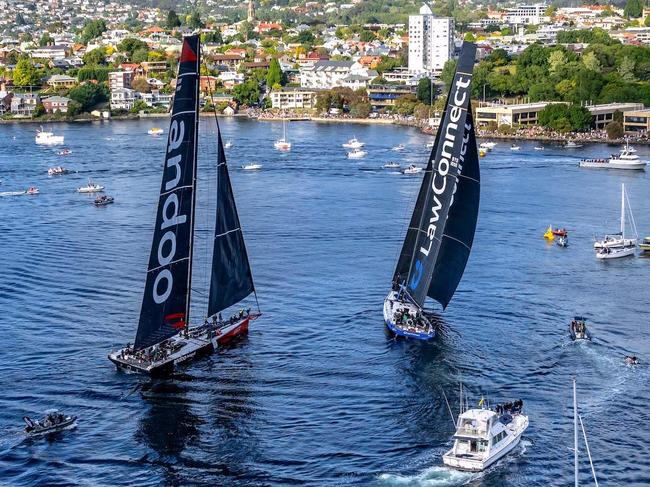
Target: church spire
point(251, 11)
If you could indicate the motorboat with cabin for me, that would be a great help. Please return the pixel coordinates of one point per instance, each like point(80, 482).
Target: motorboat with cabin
point(412, 169)
point(626, 159)
point(645, 244)
point(487, 145)
point(357, 154)
point(441, 232)
point(90, 188)
point(53, 422)
point(44, 137)
point(484, 436)
point(354, 143)
point(103, 200)
point(578, 329)
point(619, 240)
point(572, 145)
point(57, 171)
point(165, 338)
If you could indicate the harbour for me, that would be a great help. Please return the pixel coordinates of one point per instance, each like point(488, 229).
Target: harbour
point(318, 392)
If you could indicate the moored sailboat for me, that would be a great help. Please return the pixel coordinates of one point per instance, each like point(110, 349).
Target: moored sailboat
point(441, 231)
point(164, 338)
point(619, 244)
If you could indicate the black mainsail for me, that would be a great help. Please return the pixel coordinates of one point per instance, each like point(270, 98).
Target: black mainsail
point(231, 279)
point(166, 302)
point(441, 230)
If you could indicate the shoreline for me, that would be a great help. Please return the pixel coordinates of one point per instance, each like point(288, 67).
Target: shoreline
point(576, 136)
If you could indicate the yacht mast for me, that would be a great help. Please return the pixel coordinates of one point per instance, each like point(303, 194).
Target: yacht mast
point(575, 433)
point(623, 210)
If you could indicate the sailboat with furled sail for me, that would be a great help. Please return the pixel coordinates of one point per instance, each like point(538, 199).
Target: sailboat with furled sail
point(441, 231)
point(164, 338)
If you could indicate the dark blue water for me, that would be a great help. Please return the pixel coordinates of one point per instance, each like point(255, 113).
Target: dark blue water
point(317, 394)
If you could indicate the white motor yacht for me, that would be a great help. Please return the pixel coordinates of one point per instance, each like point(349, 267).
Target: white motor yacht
point(484, 436)
point(572, 145)
point(48, 138)
point(90, 188)
point(354, 143)
point(412, 169)
point(626, 159)
point(357, 154)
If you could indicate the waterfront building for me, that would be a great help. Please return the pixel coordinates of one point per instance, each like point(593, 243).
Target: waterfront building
point(637, 121)
point(54, 103)
point(156, 98)
point(603, 114)
point(526, 14)
point(122, 99)
point(516, 114)
point(289, 98)
point(431, 41)
point(382, 96)
point(118, 80)
point(24, 104)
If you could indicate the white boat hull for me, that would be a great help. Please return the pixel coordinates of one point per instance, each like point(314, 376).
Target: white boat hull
point(618, 243)
point(609, 164)
point(615, 253)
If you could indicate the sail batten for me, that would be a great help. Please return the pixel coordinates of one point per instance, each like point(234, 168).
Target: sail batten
point(165, 303)
point(231, 280)
point(441, 230)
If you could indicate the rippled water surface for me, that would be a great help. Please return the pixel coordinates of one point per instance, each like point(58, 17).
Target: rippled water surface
point(317, 394)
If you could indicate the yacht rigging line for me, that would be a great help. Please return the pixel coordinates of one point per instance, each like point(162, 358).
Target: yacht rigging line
point(591, 463)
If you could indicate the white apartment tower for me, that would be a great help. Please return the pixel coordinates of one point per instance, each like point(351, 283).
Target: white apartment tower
point(431, 41)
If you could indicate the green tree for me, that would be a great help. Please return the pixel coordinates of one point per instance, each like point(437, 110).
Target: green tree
point(360, 109)
point(626, 69)
point(448, 70)
point(74, 108)
point(139, 106)
point(213, 37)
point(26, 74)
point(172, 20)
point(591, 62)
point(39, 110)
point(95, 57)
point(542, 91)
point(646, 22)
point(88, 95)
point(247, 93)
point(194, 20)
point(633, 9)
point(425, 93)
point(614, 130)
point(130, 45)
point(92, 29)
point(367, 36)
point(140, 55)
point(556, 60)
point(274, 74)
point(469, 37)
point(46, 40)
point(305, 37)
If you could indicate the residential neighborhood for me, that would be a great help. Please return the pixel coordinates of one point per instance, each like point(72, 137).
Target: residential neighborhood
point(66, 59)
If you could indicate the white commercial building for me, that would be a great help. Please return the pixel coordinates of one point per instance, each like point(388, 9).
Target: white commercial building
point(328, 74)
point(431, 41)
point(527, 14)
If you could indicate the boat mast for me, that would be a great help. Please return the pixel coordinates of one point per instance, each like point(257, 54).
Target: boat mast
point(575, 433)
point(193, 209)
point(623, 210)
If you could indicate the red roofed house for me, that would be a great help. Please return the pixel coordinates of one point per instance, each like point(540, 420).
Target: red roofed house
point(264, 27)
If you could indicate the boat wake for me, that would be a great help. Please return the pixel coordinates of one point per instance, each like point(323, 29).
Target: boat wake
point(437, 476)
